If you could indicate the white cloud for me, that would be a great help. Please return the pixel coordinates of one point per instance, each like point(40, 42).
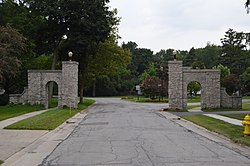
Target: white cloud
point(179, 24)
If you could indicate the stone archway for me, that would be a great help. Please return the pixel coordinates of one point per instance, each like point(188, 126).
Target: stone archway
point(180, 77)
point(66, 79)
point(49, 100)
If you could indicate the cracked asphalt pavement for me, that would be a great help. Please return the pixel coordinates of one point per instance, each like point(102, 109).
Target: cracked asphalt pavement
point(117, 132)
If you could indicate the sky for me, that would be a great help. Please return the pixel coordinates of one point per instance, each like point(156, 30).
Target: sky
point(179, 24)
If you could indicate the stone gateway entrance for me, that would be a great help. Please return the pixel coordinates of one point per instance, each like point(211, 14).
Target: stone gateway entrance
point(212, 96)
point(37, 91)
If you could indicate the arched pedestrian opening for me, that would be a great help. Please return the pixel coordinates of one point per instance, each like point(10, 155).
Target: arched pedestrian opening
point(52, 95)
point(194, 91)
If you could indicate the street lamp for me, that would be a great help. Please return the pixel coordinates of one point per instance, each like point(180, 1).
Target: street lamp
point(174, 53)
point(161, 69)
point(70, 54)
point(64, 37)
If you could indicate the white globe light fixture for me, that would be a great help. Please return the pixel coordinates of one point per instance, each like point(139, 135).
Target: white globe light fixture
point(70, 54)
point(64, 37)
point(174, 53)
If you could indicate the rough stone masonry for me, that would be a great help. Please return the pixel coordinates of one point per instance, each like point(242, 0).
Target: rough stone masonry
point(38, 80)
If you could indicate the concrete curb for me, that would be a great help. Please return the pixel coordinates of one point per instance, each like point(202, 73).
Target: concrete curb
point(215, 137)
point(35, 153)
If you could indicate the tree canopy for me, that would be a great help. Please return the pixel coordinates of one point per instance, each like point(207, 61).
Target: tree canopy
point(12, 45)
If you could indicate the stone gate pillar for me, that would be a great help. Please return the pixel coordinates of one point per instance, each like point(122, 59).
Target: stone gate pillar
point(70, 84)
point(175, 85)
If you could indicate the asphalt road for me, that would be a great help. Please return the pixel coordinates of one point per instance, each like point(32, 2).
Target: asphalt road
point(123, 133)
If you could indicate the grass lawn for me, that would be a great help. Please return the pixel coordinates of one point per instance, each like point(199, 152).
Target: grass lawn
point(53, 102)
point(49, 120)
point(143, 99)
point(246, 97)
point(12, 110)
point(233, 132)
point(192, 106)
point(194, 99)
point(245, 107)
point(235, 116)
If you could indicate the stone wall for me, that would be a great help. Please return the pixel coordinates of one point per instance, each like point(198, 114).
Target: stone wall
point(70, 84)
point(210, 86)
point(180, 77)
point(38, 85)
point(230, 101)
point(19, 98)
point(38, 80)
point(175, 85)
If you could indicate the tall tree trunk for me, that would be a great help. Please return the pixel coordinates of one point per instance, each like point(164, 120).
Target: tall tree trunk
point(94, 88)
point(81, 92)
point(53, 67)
point(81, 86)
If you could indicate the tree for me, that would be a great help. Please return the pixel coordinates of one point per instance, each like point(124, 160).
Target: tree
point(231, 83)
point(151, 71)
point(209, 55)
point(164, 56)
point(141, 58)
point(245, 79)
point(193, 88)
point(12, 45)
point(150, 87)
point(247, 4)
point(85, 22)
point(191, 57)
point(224, 71)
point(198, 65)
point(108, 60)
point(233, 54)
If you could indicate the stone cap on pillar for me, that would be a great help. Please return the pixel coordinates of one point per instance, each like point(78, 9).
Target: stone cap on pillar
point(70, 62)
point(174, 62)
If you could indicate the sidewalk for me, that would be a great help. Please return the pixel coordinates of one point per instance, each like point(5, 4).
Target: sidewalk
point(220, 117)
point(34, 146)
point(9, 144)
point(10, 121)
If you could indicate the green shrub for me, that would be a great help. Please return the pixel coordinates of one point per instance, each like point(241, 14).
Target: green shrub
point(4, 99)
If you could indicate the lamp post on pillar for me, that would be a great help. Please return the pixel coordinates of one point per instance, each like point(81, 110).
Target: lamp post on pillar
point(161, 69)
point(174, 53)
point(70, 54)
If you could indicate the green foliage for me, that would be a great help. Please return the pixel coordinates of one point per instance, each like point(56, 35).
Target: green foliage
point(108, 60)
point(245, 79)
point(224, 71)
point(208, 55)
point(49, 120)
point(151, 87)
point(151, 71)
point(12, 44)
point(10, 111)
point(198, 65)
point(190, 58)
point(231, 83)
point(4, 99)
point(42, 62)
point(233, 54)
point(164, 56)
point(141, 58)
point(247, 5)
point(193, 88)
